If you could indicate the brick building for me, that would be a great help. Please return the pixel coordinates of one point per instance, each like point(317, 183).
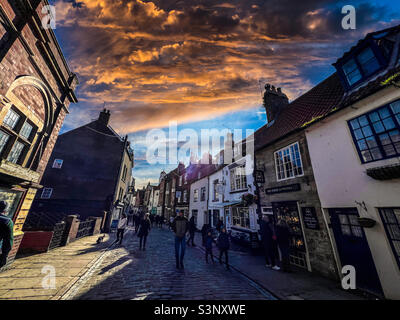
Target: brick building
point(89, 173)
point(36, 88)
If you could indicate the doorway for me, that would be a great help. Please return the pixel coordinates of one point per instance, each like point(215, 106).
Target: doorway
point(353, 248)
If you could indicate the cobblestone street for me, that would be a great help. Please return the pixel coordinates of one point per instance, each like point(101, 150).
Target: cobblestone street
point(127, 273)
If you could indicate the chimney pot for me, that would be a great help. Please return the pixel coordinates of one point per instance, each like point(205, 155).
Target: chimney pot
point(104, 117)
point(274, 101)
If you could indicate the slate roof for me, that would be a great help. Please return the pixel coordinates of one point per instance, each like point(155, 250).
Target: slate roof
point(325, 98)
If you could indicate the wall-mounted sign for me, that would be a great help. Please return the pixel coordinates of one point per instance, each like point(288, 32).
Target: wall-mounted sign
point(287, 188)
point(259, 176)
point(310, 218)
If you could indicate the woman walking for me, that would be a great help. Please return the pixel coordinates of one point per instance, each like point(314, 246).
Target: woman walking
point(144, 228)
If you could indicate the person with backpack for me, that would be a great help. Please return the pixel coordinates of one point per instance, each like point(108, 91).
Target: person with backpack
point(6, 233)
point(223, 246)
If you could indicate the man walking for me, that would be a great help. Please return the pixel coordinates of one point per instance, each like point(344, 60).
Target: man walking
point(180, 226)
point(6, 233)
point(268, 238)
point(121, 228)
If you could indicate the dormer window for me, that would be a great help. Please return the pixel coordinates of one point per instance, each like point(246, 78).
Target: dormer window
point(361, 66)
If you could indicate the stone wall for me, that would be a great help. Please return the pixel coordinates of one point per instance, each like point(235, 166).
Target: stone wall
point(318, 243)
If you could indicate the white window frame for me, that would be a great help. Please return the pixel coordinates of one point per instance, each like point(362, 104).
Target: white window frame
point(195, 195)
point(58, 166)
point(238, 181)
point(44, 191)
point(291, 160)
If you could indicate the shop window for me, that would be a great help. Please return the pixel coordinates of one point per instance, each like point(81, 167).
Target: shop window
point(350, 226)
point(46, 193)
point(57, 164)
point(240, 217)
point(391, 221)
point(288, 162)
point(194, 214)
point(376, 134)
point(238, 178)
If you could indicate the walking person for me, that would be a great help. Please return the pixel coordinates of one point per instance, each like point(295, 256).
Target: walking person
point(6, 233)
point(144, 229)
point(283, 239)
point(269, 243)
point(192, 230)
point(204, 231)
point(219, 225)
point(223, 246)
point(161, 222)
point(208, 245)
point(137, 222)
point(121, 228)
point(180, 226)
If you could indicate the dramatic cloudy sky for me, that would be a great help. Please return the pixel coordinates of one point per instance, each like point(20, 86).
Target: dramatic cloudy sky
point(200, 62)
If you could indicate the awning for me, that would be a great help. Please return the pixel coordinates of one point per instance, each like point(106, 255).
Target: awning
point(224, 204)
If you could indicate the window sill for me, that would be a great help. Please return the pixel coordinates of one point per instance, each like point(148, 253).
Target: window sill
point(238, 191)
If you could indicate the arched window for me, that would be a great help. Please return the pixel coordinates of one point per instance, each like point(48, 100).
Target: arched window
point(17, 133)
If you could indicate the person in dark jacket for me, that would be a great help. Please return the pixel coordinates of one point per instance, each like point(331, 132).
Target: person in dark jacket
point(145, 226)
point(204, 231)
point(283, 240)
point(137, 222)
point(192, 230)
point(223, 246)
point(208, 244)
point(6, 233)
point(219, 225)
point(269, 242)
point(180, 226)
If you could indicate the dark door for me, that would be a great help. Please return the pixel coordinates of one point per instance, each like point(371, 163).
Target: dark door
point(353, 248)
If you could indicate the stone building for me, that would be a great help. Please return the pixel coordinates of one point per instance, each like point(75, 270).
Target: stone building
point(89, 173)
point(36, 89)
point(288, 189)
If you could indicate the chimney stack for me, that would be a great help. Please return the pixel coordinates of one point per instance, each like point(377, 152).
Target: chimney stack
point(274, 101)
point(104, 117)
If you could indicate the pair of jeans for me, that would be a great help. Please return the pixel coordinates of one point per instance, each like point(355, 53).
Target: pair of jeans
point(191, 238)
point(143, 241)
point(180, 246)
point(120, 235)
point(209, 252)
point(225, 252)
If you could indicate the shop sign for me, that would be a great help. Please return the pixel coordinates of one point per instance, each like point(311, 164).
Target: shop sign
point(283, 189)
point(310, 218)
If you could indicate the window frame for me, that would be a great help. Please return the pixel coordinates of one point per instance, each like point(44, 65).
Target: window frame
point(388, 235)
point(203, 194)
point(57, 167)
point(375, 135)
point(238, 180)
point(290, 155)
point(195, 195)
point(378, 55)
point(43, 192)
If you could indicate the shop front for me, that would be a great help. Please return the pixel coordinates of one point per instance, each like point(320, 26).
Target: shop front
point(289, 212)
